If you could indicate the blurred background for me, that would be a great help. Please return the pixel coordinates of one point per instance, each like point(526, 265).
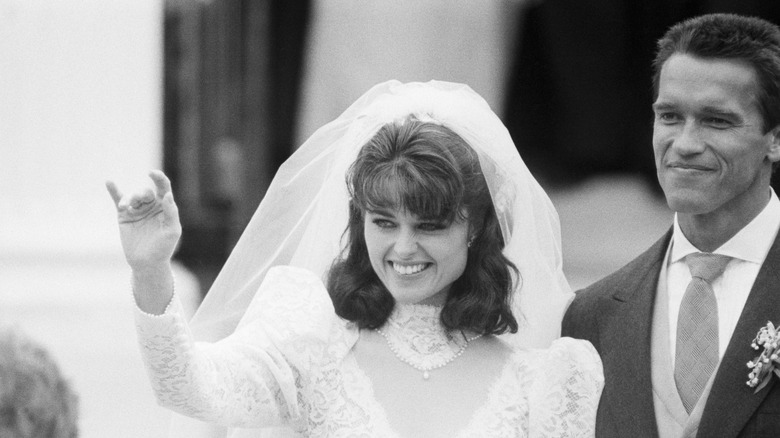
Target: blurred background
point(218, 93)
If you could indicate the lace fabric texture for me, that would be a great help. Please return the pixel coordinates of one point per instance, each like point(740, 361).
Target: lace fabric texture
point(415, 335)
point(290, 363)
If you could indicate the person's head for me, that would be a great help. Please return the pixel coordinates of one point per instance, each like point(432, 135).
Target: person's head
point(716, 135)
point(753, 41)
point(422, 229)
point(35, 401)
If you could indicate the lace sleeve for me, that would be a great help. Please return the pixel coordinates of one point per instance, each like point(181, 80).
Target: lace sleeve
point(257, 376)
point(565, 393)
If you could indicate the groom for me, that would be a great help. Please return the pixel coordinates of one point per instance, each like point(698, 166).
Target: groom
point(674, 327)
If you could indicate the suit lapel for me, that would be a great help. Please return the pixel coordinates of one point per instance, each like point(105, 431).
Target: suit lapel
point(627, 342)
point(731, 402)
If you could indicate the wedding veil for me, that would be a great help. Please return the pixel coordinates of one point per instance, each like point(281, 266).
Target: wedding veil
point(303, 216)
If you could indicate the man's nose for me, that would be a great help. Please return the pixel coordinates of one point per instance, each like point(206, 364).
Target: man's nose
point(689, 140)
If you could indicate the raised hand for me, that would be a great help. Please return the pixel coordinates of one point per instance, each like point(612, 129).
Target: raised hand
point(148, 222)
point(149, 228)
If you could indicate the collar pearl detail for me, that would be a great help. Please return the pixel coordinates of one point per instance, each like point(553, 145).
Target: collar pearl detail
point(414, 334)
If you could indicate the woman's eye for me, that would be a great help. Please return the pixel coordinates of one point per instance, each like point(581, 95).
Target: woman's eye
point(431, 226)
point(383, 223)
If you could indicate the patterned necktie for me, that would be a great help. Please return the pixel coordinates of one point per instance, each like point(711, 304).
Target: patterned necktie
point(697, 328)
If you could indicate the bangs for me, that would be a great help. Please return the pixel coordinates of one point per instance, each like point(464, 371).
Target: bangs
point(430, 194)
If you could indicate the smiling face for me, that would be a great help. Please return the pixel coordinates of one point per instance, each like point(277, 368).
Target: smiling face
point(712, 157)
point(417, 260)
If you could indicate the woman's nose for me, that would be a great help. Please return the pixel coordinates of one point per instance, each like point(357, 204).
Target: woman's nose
point(406, 243)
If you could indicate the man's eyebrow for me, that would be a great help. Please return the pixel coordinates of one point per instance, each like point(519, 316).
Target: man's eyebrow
point(663, 106)
point(719, 111)
point(709, 109)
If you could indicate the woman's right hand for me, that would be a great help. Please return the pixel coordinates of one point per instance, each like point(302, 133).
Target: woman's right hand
point(148, 223)
point(149, 229)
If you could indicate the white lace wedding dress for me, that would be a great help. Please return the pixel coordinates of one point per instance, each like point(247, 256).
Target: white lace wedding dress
point(292, 362)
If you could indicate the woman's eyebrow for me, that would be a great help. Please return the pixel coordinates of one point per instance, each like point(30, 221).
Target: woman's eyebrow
point(381, 212)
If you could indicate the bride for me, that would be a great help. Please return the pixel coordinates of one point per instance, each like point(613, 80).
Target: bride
point(397, 280)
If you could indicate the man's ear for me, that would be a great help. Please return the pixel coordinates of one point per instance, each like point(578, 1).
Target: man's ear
point(774, 147)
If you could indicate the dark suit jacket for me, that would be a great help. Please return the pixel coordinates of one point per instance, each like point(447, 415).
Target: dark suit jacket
point(615, 313)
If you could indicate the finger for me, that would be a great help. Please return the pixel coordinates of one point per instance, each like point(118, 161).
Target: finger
point(169, 207)
point(161, 183)
point(113, 190)
point(138, 200)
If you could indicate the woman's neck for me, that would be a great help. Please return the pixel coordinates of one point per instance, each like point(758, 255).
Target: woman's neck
point(415, 334)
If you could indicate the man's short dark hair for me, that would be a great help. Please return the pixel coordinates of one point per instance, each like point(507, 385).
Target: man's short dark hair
point(729, 36)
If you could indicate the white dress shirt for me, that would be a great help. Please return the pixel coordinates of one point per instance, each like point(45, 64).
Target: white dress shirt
point(748, 249)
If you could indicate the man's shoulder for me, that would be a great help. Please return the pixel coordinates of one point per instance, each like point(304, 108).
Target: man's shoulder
point(596, 302)
point(630, 273)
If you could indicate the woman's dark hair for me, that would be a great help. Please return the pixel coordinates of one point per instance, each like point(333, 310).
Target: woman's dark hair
point(431, 172)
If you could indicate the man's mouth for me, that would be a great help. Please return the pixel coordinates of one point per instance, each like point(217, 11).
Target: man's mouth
point(689, 166)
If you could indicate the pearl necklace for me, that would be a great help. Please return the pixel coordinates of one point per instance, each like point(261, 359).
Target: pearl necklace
point(416, 337)
point(426, 369)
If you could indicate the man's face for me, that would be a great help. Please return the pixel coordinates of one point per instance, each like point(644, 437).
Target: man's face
point(710, 154)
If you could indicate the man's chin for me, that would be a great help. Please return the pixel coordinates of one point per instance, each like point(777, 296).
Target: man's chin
point(689, 204)
point(687, 198)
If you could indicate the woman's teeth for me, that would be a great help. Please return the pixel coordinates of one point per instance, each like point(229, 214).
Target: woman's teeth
point(409, 269)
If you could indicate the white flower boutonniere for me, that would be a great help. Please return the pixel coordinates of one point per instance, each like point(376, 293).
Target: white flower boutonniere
point(765, 364)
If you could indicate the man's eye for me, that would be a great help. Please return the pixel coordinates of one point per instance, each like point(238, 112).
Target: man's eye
point(717, 122)
point(668, 117)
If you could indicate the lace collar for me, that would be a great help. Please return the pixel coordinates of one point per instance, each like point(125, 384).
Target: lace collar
point(416, 336)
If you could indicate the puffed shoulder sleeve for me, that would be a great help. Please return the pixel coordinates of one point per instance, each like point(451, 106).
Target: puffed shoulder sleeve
point(566, 389)
point(258, 375)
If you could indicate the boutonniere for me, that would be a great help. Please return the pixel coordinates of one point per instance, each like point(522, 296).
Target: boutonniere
point(765, 364)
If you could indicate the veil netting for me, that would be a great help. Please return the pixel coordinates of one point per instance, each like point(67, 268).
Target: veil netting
point(302, 218)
